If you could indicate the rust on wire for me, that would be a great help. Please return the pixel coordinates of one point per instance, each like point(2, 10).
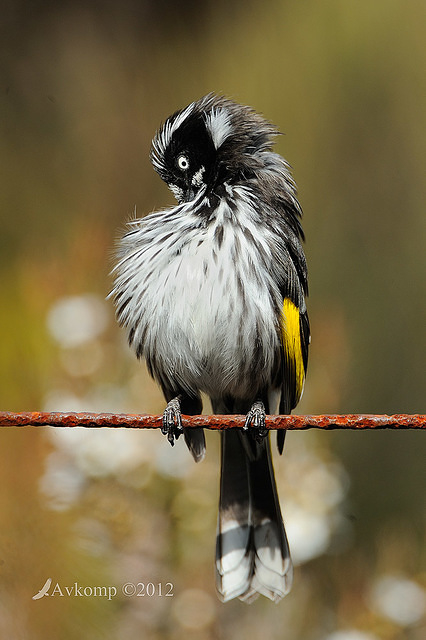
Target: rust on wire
point(142, 421)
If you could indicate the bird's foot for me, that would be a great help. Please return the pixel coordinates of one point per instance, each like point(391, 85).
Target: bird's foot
point(172, 421)
point(256, 421)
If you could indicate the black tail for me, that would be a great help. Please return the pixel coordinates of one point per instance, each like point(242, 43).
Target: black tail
point(252, 554)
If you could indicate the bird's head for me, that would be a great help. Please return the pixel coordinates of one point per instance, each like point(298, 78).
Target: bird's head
point(211, 142)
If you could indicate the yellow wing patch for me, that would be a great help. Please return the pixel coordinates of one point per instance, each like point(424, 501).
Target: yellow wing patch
point(290, 334)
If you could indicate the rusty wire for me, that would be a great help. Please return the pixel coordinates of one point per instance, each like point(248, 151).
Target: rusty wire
point(294, 422)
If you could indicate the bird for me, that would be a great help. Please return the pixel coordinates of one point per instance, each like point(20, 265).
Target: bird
point(212, 293)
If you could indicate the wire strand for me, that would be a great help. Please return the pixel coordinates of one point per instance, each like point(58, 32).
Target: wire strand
point(142, 421)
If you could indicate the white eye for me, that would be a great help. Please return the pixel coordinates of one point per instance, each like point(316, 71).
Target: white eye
point(183, 163)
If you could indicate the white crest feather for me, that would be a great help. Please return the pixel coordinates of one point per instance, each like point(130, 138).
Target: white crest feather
point(219, 125)
point(162, 139)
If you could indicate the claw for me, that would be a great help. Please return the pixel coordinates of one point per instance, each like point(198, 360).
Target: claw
point(255, 420)
point(172, 421)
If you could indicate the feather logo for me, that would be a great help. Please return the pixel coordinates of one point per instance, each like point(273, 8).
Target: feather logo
point(44, 590)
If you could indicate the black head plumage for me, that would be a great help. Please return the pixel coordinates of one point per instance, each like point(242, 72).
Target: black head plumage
point(210, 142)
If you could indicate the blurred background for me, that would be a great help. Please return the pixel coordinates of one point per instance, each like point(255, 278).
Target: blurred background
point(83, 87)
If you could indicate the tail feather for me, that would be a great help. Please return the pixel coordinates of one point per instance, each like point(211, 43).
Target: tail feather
point(273, 573)
point(233, 562)
point(196, 442)
point(252, 555)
